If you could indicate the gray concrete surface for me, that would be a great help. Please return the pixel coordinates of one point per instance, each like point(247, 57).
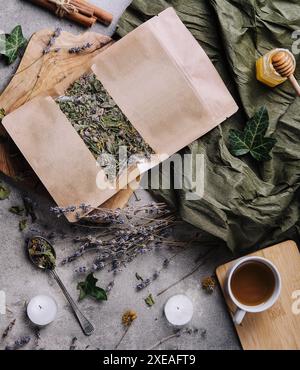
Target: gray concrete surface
point(21, 281)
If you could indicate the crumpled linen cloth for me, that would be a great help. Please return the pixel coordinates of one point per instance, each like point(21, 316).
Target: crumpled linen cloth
point(246, 204)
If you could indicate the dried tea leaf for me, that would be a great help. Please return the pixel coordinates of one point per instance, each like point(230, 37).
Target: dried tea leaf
point(4, 191)
point(149, 300)
point(17, 210)
point(13, 43)
point(29, 208)
point(88, 288)
point(252, 140)
point(138, 277)
point(22, 225)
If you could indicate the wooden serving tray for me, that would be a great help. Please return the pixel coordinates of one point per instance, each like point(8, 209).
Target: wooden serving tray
point(277, 328)
point(37, 75)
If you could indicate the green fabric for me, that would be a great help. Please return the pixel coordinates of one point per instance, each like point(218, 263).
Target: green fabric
point(246, 204)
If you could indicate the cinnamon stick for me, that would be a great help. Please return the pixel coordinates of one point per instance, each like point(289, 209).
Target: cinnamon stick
point(87, 11)
point(102, 15)
point(76, 17)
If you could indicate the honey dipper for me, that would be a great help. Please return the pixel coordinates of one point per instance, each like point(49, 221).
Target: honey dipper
point(285, 66)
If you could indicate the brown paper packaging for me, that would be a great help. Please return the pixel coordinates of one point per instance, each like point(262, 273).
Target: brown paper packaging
point(166, 86)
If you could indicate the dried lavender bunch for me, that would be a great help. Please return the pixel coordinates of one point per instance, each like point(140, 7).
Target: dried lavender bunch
point(101, 124)
point(135, 231)
point(19, 343)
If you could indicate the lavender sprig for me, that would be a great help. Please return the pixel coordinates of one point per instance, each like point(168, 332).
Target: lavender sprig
point(80, 49)
point(19, 343)
point(52, 40)
point(8, 329)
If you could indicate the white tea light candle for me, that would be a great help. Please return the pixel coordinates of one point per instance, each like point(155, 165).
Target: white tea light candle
point(179, 310)
point(42, 310)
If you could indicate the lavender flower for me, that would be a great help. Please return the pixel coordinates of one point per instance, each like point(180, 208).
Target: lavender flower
point(81, 270)
point(110, 286)
point(79, 49)
point(166, 263)
point(60, 211)
point(52, 40)
point(155, 275)
point(143, 284)
point(19, 343)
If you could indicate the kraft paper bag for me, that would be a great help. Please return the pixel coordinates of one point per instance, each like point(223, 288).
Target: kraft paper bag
point(166, 86)
point(165, 83)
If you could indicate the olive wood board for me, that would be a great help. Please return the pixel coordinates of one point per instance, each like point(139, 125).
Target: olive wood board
point(38, 74)
point(277, 328)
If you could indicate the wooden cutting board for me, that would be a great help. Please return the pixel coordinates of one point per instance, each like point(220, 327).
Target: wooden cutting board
point(37, 75)
point(278, 328)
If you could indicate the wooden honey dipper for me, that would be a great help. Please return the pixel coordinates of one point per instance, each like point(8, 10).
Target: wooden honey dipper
point(285, 66)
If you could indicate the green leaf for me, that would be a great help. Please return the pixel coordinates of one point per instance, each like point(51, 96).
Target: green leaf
point(22, 225)
point(238, 145)
point(4, 191)
point(17, 210)
point(262, 147)
point(89, 288)
point(252, 140)
point(13, 43)
point(149, 300)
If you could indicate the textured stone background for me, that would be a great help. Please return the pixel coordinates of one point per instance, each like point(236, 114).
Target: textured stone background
point(21, 281)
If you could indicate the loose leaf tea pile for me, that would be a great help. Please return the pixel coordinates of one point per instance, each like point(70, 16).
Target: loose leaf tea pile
point(41, 253)
point(101, 124)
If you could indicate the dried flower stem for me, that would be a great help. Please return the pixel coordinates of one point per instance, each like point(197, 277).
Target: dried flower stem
point(195, 269)
point(163, 340)
point(122, 337)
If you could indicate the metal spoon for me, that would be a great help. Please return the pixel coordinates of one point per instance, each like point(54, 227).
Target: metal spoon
point(86, 326)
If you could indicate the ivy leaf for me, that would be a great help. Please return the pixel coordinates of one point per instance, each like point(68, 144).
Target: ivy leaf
point(252, 140)
point(13, 43)
point(4, 191)
point(89, 288)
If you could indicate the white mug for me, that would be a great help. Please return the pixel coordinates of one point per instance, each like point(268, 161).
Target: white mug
point(243, 309)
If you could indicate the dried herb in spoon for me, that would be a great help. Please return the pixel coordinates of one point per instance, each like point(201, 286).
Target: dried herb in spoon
point(42, 254)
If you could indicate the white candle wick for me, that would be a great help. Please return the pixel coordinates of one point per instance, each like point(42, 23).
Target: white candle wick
point(179, 310)
point(42, 310)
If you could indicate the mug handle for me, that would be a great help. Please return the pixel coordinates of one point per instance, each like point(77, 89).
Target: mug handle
point(239, 316)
